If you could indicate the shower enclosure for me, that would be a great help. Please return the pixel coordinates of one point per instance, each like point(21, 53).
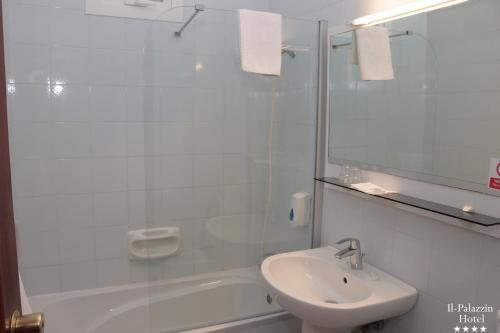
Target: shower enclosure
point(163, 136)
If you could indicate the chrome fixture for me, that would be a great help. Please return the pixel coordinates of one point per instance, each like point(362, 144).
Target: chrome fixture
point(399, 34)
point(292, 53)
point(197, 9)
point(353, 251)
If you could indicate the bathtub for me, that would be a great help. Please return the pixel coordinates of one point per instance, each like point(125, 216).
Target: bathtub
point(218, 302)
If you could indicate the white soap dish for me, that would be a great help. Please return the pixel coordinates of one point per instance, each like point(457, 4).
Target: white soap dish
point(154, 243)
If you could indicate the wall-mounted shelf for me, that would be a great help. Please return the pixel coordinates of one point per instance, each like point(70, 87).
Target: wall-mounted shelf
point(432, 207)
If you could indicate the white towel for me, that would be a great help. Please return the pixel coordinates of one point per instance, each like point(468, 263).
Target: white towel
point(371, 188)
point(374, 53)
point(260, 42)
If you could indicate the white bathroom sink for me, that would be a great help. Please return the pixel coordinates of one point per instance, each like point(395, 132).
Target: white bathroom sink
point(329, 296)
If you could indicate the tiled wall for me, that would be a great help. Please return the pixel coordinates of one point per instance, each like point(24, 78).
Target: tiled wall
point(445, 263)
point(116, 125)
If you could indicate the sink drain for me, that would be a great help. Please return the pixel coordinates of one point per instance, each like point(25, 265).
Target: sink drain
point(331, 302)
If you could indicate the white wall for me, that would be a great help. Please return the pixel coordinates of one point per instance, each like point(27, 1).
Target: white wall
point(117, 125)
point(114, 128)
point(445, 263)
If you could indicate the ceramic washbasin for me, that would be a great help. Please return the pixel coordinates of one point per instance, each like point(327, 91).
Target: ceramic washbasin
point(329, 296)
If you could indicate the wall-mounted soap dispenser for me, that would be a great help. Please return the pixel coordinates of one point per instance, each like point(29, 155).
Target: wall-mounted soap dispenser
point(300, 209)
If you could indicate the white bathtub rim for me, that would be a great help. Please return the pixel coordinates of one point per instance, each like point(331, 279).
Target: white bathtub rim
point(39, 302)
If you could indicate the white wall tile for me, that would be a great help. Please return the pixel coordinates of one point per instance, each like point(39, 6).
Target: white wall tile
point(109, 139)
point(453, 268)
point(32, 140)
point(72, 140)
point(108, 103)
point(111, 242)
point(28, 63)
point(208, 105)
point(70, 103)
point(72, 176)
point(137, 209)
point(112, 272)
point(236, 199)
point(207, 170)
point(77, 244)
point(136, 179)
point(37, 32)
point(207, 138)
point(35, 213)
point(69, 27)
point(69, 65)
point(208, 201)
point(180, 265)
point(107, 67)
point(74, 210)
point(110, 174)
point(138, 34)
point(136, 140)
point(411, 260)
point(179, 203)
point(236, 169)
point(107, 32)
point(143, 103)
point(78, 276)
point(42, 280)
point(177, 105)
point(177, 138)
point(110, 209)
point(176, 171)
point(29, 102)
point(39, 248)
point(32, 177)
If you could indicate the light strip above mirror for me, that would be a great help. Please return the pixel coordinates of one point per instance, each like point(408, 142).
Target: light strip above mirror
point(412, 8)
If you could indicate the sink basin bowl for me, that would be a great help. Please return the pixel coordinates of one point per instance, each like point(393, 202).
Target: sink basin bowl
point(329, 296)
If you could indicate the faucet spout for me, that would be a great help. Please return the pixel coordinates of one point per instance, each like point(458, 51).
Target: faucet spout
point(353, 251)
point(347, 252)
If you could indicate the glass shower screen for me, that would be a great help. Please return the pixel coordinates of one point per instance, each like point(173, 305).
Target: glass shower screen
point(221, 154)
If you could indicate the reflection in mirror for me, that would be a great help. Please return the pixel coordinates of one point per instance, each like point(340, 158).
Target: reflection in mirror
point(437, 121)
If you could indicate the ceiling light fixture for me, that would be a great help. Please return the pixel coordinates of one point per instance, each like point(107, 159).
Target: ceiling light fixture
point(413, 8)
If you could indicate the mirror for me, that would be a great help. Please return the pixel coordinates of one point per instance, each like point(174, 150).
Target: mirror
point(439, 120)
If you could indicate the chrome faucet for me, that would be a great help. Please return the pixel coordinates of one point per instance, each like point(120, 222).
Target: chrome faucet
point(353, 251)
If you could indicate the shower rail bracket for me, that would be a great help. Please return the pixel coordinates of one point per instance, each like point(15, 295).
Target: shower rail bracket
point(197, 9)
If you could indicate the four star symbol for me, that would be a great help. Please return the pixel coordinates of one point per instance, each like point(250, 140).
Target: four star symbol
point(467, 328)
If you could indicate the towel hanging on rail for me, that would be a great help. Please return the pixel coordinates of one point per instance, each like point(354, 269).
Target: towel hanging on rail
point(260, 42)
point(373, 51)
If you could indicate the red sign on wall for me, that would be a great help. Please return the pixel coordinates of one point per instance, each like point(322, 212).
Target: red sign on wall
point(494, 183)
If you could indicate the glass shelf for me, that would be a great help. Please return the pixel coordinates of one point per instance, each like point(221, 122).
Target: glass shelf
point(476, 218)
